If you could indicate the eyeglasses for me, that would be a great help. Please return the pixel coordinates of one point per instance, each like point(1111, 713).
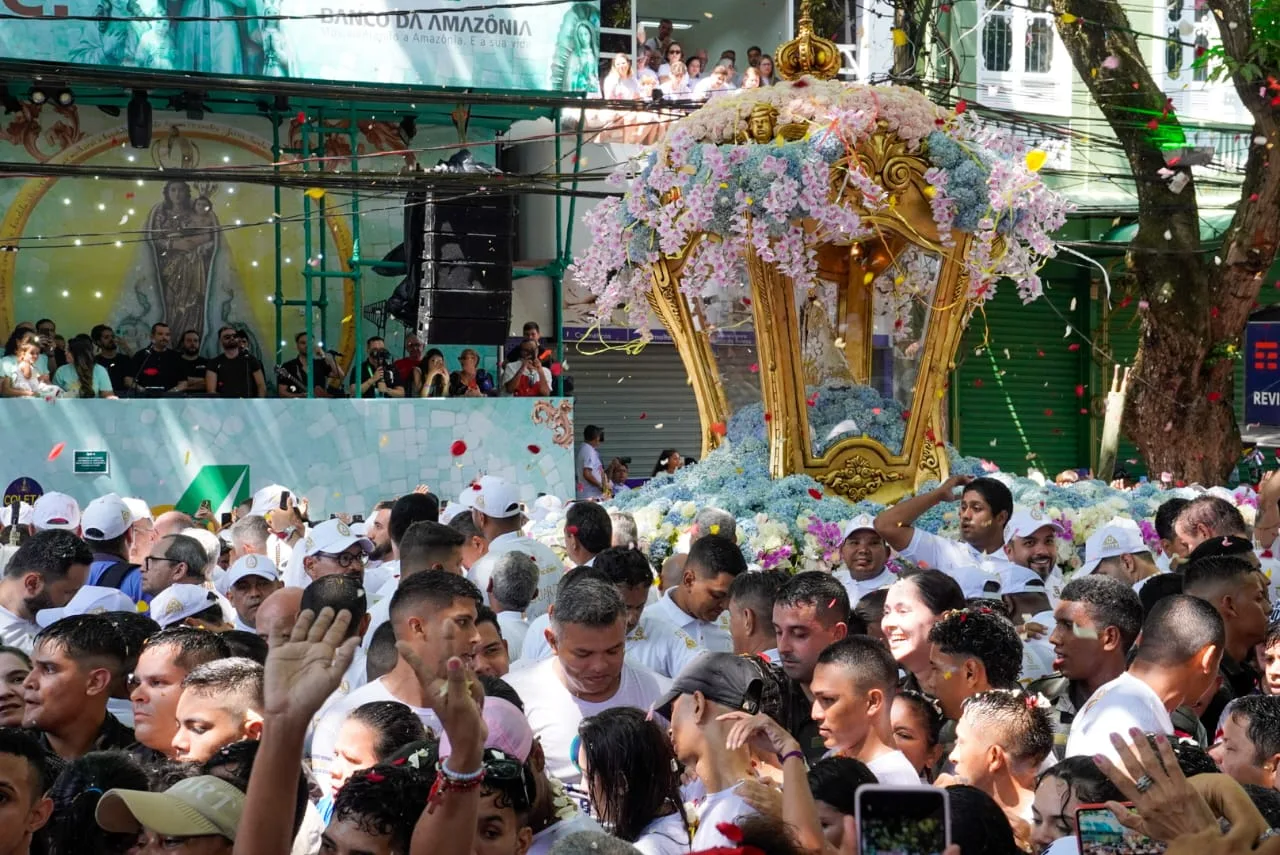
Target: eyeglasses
point(675, 51)
point(345, 559)
point(147, 561)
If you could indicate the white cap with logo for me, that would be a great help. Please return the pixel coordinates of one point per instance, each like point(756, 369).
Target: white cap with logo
point(106, 518)
point(55, 510)
point(1022, 580)
point(89, 600)
point(496, 497)
point(334, 537)
point(139, 508)
point(176, 603)
point(1121, 536)
point(250, 565)
point(266, 499)
point(1027, 521)
point(861, 522)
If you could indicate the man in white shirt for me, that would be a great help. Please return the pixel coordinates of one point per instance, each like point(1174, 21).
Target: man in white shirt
point(751, 598)
point(1031, 541)
point(714, 686)
point(405, 511)
point(1175, 661)
point(435, 615)
point(249, 581)
point(511, 587)
point(979, 557)
point(499, 514)
point(864, 555)
point(333, 549)
point(342, 593)
point(587, 675)
point(424, 546)
point(697, 604)
point(45, 573)
point(852, 687)
point(591, 480)
point(1117, 549)
point(1095, 624)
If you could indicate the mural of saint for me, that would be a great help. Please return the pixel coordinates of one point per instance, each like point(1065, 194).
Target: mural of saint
point(183, 275)
point(576, 64)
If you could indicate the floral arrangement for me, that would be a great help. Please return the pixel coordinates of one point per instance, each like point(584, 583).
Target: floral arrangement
point(792, 524)
point(775, 196)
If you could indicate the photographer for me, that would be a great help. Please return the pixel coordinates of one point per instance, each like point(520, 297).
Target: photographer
point(378, 378)
point(524, 376)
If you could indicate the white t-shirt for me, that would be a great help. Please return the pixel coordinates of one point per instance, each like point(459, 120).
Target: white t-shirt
point(554, 714)
point(380, 608)
point(589, 460)
point(1124, 703)
point(666, 835)
point(512, 369)
point(16, 632)
point(724, 806)
point(654, 644)
point(550, 568)
point(857, 590)
point(893, 769)
point(709, 636)
point(971, 568)
point(326, 732)
point(514, 631)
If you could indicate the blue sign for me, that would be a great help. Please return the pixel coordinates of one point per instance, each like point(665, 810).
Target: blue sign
point(1262, 373)
point(22, 490)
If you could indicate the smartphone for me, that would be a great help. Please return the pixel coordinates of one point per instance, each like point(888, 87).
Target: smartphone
point(226, 518)
point(902, 820)
point(206, 505)
point(1101, 833)
point(284, 501)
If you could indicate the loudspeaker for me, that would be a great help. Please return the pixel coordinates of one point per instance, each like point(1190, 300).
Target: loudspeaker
point(465, 261)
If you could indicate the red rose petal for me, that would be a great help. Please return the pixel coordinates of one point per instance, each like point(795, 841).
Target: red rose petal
point(56, 450)
point(961, 106)
point(534, 449)
point(556, 369)
point(1073, 347)
point(301, 117)
point(719, 429)
point(1214, 397)
point(768, 417)
point(730, 831)
point(755, 368)
point(458, 448)
point(1079, 390)
point(814, 493)
point(644, 416)
point(1049, 413)
point(906, 415)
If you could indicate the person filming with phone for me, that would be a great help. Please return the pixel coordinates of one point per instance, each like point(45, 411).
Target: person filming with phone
point(525, 376)
point(378, 377)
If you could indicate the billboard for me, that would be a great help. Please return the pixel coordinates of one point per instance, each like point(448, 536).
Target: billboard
point(1262, 373)
point(543, 45)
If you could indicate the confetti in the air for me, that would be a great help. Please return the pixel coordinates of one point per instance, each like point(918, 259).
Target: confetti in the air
point(56, 450)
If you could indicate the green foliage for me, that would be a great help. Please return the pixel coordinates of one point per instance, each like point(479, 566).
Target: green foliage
point(1261, 59)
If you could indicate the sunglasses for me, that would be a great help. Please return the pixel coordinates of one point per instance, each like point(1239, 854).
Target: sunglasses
point(507, 773)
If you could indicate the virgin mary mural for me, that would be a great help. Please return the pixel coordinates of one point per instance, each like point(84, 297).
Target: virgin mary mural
point(183, 275)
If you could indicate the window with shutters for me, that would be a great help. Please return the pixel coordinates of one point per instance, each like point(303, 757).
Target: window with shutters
point(1022, 63)
point(1189, 29)
point(1038, 53)
point(997, 37)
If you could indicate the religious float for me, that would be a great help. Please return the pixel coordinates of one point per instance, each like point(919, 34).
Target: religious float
point(864, 226)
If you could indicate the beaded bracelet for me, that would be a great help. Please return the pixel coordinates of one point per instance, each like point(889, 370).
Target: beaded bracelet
point(459, 777)
point(447, 781)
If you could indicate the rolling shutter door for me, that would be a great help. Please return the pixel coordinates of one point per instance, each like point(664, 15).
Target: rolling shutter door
point(614, 389)
point(1024, 402)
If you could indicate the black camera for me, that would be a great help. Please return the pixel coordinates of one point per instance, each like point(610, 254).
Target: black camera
point(381, 355)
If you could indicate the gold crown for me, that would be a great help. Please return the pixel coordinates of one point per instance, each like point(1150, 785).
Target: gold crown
point(807, 53)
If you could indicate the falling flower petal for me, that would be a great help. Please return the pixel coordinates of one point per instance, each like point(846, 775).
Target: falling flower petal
point(1036, 159)
point(1073, 347)
point(315, 193)
point(56, 450)
point(644, 416)
point(754, 368)
point(556, 369)
point(719, 429)
point(1214, 397)
point(458, 448)
point(1111, 63)
point(534, 449)
point(658, 426)
point(815, 493)
point(1079, 390)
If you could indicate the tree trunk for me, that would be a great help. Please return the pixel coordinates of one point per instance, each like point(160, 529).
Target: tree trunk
point(1181, 390)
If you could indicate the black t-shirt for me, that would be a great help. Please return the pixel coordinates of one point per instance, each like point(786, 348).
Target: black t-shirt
point(193, 368)
point(157, 369)
point(297, 371)
point(118, 368)
point(389, 375)
point(235, 376)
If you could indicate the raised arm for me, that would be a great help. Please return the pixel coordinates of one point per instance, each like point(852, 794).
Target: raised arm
point(894, 523)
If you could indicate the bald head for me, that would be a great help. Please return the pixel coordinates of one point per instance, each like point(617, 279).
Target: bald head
point(279, 609)
point(173, 522)
point(673, 571)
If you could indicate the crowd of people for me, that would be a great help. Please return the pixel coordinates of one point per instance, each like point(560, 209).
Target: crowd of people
point(40, 363)
point(443, 676)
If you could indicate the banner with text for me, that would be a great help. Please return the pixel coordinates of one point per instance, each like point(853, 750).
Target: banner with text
point(543, 45)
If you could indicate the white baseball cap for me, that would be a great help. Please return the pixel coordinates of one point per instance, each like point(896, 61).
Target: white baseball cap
point(1121, 536)
point(1022, 580)
point(858, 523)
point(1027, 521)
point(334, 537)
point(497, 498)
point(106, 518)
point(975, 582)
point(250, 565)
point(55, 510)
point(89, 600)
point(139, 508)
point(266, 499)
point(452, 511)
point(176, 603)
